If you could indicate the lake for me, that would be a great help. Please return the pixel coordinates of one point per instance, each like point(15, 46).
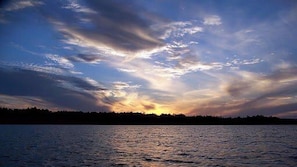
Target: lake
point(152, 145)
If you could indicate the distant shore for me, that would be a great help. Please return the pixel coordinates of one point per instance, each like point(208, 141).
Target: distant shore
point(43, 116)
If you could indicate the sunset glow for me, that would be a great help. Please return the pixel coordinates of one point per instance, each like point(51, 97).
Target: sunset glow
point(219, 58)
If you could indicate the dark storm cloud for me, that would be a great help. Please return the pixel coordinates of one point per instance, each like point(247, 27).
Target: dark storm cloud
point(50, 88)
point(115, 24)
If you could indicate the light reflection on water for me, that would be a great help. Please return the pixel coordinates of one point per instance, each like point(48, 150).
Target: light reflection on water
point(93, 145)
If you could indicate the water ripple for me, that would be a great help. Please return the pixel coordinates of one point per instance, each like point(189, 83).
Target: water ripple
point(159, 146)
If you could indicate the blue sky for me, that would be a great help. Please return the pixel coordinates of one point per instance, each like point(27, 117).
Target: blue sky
point(220, 58)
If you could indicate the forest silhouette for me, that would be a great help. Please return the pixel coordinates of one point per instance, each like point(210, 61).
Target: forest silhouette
point(44, 116)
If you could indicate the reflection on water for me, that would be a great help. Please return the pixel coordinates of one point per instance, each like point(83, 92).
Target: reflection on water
point(84, 145)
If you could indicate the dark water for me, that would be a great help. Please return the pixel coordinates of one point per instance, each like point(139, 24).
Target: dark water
point(91, 145)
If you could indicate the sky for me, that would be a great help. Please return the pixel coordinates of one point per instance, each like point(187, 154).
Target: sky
point(194, 57)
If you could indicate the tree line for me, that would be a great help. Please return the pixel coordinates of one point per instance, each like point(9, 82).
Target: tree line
point(44, 116)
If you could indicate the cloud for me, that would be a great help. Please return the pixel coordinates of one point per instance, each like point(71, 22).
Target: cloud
point(236, 62)
point(8, 9)
point(149, 106)
point(119, 90)
point(181, 65)
point(115, 28)
point(126, 70)
point(61, 61)
point(53, 64)
point(240, 93)
point(76, 7)
point(110, 37)
point(283, 73)
point(236, 88)
point(190, 62)
point(86, 58)
point(137, 102)
point(17, 5)
point(119, 85)
point(281, 80)
point(56, 90)
point(282, 109)
point(86, 84)
point(253, 94)
point(126, 34)
point(212, 20)
point(26, 102)
point(177, 29)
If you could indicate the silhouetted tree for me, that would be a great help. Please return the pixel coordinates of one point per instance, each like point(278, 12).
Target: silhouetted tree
point(44, 116)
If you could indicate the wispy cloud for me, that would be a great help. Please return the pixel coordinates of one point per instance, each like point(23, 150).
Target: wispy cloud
point(61, 61)
point(252, 94)
point(177, 29)
point(212, 20)
point(76, 7)
point(239, 62)
point(122, 85)
point(9, 8)
point(141, 31)
point(116, 29)
point(17, 5)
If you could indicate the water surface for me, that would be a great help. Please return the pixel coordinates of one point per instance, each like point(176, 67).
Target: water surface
point(118, 145)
